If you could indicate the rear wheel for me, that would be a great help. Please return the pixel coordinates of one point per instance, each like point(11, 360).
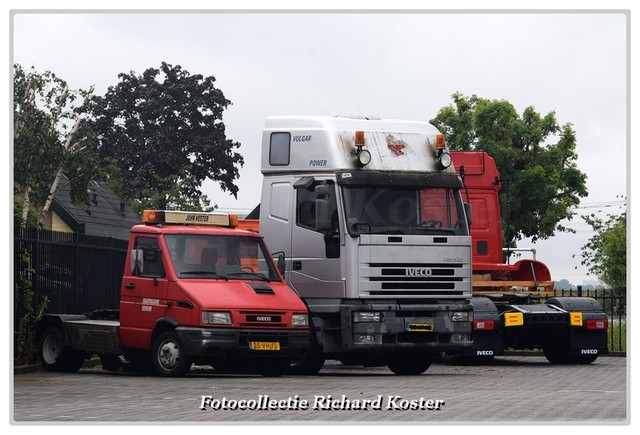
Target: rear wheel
point(583, 359)
point(55, 356)
point(556, 354)
point(168, 355)
point(408, 365)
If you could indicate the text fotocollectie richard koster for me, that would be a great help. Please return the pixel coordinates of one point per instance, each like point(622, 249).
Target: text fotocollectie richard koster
point(320, 403)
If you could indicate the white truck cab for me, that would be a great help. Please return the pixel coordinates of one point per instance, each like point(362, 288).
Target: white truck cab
point(370, 216)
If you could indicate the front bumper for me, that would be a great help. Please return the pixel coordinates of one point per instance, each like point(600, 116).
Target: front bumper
point(407, 327)
point(204, 343)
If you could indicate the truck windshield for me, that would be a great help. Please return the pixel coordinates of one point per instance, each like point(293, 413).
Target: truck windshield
point(221, 257)
point(395, 210)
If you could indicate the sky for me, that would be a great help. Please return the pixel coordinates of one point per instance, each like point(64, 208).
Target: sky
point(390, 64)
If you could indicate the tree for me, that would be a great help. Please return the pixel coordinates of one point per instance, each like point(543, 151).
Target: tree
point(544, 183)
point(605, 254)
point(51, 137)
point(162, 135)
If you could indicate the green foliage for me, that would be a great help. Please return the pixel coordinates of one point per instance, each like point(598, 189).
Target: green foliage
point(544, 182)
point(25, 314)
point(605, 254)
point(162, 135)
point(46, 142)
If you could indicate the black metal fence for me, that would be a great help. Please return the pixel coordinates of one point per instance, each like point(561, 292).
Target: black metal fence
point(80, 273)
point(77, 273)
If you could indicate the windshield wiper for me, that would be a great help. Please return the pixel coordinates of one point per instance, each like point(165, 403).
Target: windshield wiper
point(434, 230)
point(256, 275)
point(203, 272)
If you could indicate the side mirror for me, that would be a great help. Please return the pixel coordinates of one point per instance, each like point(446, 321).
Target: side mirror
point(280, 261)
point(137, 262)
point(323, 207)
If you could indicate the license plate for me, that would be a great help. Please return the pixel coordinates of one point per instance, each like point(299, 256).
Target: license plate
point(420, 327)
point(264, 345)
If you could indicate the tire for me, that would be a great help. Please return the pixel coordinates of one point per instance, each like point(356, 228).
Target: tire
point(409, 365)
point(583, 359)
point(168, 355)
point(55, 356)
point(556, 355)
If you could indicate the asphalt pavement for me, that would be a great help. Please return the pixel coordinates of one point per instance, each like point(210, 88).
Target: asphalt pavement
point(513, 390)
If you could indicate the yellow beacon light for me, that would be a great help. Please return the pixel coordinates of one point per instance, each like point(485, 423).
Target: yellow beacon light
point(363, 157)
point(155, 217)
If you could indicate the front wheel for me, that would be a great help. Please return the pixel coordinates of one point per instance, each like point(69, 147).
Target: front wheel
point(409, 364)
point(55, 356)
point(169, 358)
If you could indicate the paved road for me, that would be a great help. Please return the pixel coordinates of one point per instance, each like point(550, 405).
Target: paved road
point(514, 389)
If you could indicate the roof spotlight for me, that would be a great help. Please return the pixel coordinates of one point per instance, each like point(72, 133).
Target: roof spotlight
point(363, 156)
point(444, 160)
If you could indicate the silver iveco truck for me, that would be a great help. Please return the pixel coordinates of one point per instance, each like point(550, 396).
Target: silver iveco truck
point(370, 220)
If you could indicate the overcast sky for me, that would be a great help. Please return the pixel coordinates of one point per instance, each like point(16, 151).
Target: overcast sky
point(395, 65)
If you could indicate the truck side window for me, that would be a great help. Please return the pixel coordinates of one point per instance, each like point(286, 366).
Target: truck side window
point(151, 259)
point(279, 149)
point(306, 217)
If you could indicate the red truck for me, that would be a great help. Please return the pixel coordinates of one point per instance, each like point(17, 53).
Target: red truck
point(513, 304)
point(196, 289)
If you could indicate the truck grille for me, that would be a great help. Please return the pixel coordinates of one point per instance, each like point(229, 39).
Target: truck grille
point(262, 319)
point(412, 280)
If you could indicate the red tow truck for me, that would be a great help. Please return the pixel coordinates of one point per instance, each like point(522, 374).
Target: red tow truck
point(196, 289)
point(513, 304)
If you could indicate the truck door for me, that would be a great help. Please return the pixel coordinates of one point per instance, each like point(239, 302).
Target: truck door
point(316, 268)
point(143, 294)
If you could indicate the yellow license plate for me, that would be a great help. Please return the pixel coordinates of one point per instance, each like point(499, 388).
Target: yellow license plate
point(264, 345)
point(420, 327)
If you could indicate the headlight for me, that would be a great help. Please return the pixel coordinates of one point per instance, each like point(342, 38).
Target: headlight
point(300, 320)
point(367, 316)
point(216, 318)
point(461, 316)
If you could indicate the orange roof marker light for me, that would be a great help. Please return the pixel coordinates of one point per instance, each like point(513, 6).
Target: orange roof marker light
point(444, 158)
point(363, 157)
point(154, 217)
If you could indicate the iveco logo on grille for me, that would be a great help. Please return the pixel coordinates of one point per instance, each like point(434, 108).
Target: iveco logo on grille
point(265, 319)
point(418, 271)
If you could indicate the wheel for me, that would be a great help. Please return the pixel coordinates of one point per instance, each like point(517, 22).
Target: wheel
point(583, 359)
point(556, 355)
point(409, 364)
point(55, 356)
point(168, 355)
